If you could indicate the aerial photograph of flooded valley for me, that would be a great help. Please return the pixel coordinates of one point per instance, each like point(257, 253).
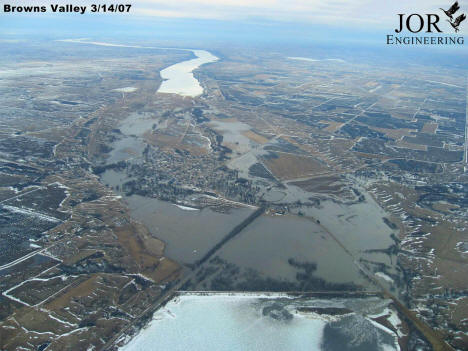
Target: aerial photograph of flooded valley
point(219, 175)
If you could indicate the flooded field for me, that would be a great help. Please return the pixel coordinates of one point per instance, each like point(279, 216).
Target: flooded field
point(269, 242)
point(265, 322)
point(130, 144)
point(322, 249)
point(137, 123)
point(282, 253)
point(362, 229)
point(188, 234)
point(346, 222)
point(232, 134)
point(126, 148)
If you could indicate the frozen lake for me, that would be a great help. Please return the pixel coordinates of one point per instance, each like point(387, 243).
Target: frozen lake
point(224, 323)
point(253, 322)
point(179, 79)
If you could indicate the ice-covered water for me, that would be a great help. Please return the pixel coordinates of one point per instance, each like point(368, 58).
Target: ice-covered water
point(179, 79)
point(225, 323)
point(270, 321)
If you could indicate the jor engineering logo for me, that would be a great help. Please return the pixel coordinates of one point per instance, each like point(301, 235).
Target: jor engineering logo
point(428, 23)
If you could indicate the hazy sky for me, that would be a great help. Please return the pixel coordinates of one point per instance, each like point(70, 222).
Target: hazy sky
point(378, 13)
point(360, 15)
point(353, 12)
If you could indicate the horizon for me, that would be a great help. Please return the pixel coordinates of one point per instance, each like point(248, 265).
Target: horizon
point(358, 22)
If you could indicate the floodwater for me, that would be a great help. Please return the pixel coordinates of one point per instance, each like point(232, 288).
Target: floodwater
point(188, 234)
point(179, 79)
point(130, 144)
point(267, 244)
point(360, 227)
point(253, 322)
point(126, 148)
point(114, 178)
point(137, 124)
point(232, 134)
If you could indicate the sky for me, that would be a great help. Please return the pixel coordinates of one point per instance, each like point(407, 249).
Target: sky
point(365, 20)
point(367, 13)
point(360, 13)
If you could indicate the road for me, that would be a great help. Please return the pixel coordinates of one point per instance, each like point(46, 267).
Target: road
point(356, 116)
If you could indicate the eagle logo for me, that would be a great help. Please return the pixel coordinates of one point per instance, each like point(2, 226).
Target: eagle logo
point(450, 12)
